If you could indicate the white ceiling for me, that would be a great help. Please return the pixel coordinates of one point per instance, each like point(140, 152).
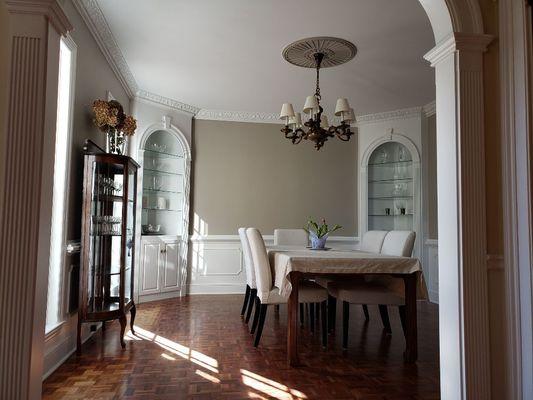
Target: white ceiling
point(226, 55)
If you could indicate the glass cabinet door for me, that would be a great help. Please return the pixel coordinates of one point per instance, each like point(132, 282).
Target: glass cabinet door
point(129, 243)
point(105, 237)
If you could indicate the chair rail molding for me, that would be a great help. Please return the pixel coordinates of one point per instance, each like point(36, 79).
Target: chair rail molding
point(516, 78)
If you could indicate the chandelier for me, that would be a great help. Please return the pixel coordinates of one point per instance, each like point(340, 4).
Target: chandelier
point(317, 53)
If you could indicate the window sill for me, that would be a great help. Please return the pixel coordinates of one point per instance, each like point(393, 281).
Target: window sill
point(53, 330)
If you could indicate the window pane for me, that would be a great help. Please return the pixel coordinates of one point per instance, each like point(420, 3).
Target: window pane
point(57, 252)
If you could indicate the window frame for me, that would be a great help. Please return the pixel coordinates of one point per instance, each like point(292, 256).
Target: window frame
point(64, 270)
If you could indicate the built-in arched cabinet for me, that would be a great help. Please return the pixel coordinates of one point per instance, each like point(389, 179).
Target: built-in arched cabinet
point(390, 186)
point(165, 173)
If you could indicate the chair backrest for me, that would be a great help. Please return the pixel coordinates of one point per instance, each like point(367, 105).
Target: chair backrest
point(263, 275)
point(372, 241)
point(291, 237)
point(399, 243)
point(248, 262)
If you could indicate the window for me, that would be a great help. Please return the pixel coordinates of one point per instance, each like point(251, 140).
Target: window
point(54, 307)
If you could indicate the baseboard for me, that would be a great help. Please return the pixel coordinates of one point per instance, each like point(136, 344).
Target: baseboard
point(59, 349)
point(160, 296)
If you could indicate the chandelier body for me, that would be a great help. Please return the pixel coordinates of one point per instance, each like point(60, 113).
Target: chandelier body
point(315, 52)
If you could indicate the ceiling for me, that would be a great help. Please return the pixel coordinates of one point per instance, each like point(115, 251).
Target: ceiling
point(226, 55)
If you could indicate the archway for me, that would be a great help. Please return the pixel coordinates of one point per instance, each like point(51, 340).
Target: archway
point(463, 304)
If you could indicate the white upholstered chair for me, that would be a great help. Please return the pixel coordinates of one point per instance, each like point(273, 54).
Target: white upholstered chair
point(371, 242)
point(268, 294)
point(291, 237)
point(380, 291)
point(251, 289)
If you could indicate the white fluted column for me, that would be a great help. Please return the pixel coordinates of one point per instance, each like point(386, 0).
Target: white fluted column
point(463, 292)
point(35, 30)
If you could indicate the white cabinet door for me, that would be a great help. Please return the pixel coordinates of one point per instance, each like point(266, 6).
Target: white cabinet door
point(170, 272)
point(151, 257)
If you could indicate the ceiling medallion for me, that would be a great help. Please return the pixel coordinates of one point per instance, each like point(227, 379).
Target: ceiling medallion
point(318, 52)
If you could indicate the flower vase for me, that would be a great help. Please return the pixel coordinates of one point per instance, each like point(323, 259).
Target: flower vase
point(115, 142)
point(318, 243)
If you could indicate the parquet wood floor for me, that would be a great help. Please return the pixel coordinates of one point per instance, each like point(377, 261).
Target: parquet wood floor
point(199, 348)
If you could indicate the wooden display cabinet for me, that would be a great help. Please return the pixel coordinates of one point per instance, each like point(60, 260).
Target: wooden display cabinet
point(108, 239)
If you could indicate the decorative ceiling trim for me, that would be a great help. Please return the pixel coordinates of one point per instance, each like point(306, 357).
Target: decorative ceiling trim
point(405, 113)
point(430, 109)
point(167, 102)
point(95, 20)
point(238, 116)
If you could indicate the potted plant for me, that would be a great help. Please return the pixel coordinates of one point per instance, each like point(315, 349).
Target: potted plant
point(110, 118)
point(319, 233)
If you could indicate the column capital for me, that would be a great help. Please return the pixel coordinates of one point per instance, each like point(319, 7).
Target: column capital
point(50, 9)
point(458, 41)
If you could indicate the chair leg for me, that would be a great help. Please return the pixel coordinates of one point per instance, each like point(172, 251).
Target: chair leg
point(312, 317)
point(262, 316)
point(245, 302)
point(317, 310)
point(332, 312)
point(401, 309)
point(365, 311)
point(276, 308)
point(345, 320)
point(256, 315)
point(251, 301)
point(324, 318)
point(302, 312)
point(384, 313)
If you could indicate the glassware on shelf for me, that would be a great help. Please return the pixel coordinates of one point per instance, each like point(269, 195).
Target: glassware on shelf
point(402, 153)
point(159, 147)
point(383, 156)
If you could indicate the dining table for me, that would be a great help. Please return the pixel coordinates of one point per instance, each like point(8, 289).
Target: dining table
point(291, 264)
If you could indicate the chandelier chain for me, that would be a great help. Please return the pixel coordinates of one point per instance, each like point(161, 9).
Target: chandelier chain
point(317, 92)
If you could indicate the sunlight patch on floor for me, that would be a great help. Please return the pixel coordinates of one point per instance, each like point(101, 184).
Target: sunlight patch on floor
point(269, 387)
point(175, 348)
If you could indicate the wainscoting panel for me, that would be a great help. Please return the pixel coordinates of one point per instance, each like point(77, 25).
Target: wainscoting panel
point(217, 264)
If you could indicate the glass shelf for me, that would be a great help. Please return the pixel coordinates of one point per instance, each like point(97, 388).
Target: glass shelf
point(159, 209)
point(162, 154)
point(155, 171)
point(391, 215)
point(391, 163)
point(392, 180)
point(390, 198)
point(161, 191)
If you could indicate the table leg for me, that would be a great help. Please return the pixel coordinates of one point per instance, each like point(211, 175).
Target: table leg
point(411, 345)
point(292, 322)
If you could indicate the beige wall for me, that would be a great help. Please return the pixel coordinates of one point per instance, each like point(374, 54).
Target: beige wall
point(249, 175)
point(431, 154)
point(94, 77)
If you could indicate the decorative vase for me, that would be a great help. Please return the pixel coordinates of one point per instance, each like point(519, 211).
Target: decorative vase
point(318, 243)
point(116, 142)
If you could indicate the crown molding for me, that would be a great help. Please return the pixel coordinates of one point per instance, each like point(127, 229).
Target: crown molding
point(430, 109)
point(95, 20)
point(167, 102)
point(50, 9)
point(238, 116)
point(468, 42)
point(404, 113)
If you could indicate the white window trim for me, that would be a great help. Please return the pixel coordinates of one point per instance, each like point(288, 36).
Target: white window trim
point(63, 301)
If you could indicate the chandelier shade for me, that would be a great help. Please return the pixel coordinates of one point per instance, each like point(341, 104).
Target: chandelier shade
point(318, 52)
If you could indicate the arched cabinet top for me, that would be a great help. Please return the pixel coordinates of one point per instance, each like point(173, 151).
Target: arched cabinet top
point(398, 138)
point(171, 130)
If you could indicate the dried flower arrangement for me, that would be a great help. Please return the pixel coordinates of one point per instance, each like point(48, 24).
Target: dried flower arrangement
point(110, 118)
